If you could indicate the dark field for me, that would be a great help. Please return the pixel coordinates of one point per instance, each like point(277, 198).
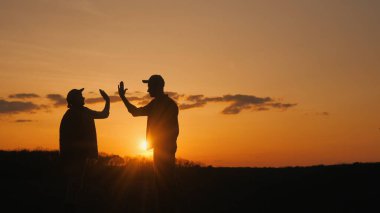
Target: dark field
point(33, 182)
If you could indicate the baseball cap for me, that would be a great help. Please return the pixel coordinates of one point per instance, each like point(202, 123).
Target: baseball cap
point(155, 80)
point(73, 94)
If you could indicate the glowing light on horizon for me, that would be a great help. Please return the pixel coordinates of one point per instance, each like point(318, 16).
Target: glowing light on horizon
point(144, 146)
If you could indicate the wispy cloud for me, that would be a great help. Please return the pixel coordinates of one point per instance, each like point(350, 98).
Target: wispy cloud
point(58, 99)
point(237, 103)
point(175, 95)
point(316, 113)
point(194, 102)
point(24, 95)
point(323, 113)
point(23, 121)
point(13, 107)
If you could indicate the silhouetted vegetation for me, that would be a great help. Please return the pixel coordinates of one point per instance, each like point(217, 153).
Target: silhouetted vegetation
point(33, 181)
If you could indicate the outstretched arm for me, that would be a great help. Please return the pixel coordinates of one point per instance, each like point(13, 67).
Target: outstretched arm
point(106, 111)
point(131, 108)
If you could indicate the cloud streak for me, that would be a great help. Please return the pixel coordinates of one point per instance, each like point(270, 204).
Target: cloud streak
point(323, 113)
point(24, 95)
point(237, 103)
point(23, 121)
point(58, 99)
point(14, 107)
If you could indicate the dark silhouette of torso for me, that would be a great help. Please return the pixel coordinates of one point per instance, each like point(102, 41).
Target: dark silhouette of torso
point(162, 125)
point(78, 135)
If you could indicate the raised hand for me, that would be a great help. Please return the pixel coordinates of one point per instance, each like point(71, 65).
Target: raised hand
point(121, 89)
point(104, 94)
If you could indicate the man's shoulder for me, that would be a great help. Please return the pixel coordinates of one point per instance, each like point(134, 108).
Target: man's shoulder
point(85, 109)
point(170, 100)
point(67, 114)
point(76, 112)
point(164, 101)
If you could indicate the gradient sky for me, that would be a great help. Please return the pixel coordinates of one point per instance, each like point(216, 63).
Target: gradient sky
point(284, 83)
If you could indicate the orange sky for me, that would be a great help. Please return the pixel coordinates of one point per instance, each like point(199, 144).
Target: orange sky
point(321, 58)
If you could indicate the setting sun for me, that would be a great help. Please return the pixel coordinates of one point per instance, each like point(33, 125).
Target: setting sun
point(144, 145)
point(145, 150)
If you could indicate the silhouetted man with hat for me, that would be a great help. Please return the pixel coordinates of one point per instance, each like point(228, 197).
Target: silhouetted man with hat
point(161, 133)
point(77, 140)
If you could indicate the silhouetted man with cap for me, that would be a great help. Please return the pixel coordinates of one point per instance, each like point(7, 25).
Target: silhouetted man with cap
point(77, 140)
point(161, 133)
point(77, 131)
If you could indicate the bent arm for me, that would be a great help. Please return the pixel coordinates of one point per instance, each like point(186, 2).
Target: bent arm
point(102, 114)
point(135, 111)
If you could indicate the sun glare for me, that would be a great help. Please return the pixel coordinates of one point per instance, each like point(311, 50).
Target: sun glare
point(145, 150)
point(144, 145)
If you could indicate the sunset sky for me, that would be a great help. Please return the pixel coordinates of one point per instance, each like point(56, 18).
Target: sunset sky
point(259, 83)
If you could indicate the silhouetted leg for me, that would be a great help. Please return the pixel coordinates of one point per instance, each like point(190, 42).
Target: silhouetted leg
point(74, 177)
point(164, 167)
